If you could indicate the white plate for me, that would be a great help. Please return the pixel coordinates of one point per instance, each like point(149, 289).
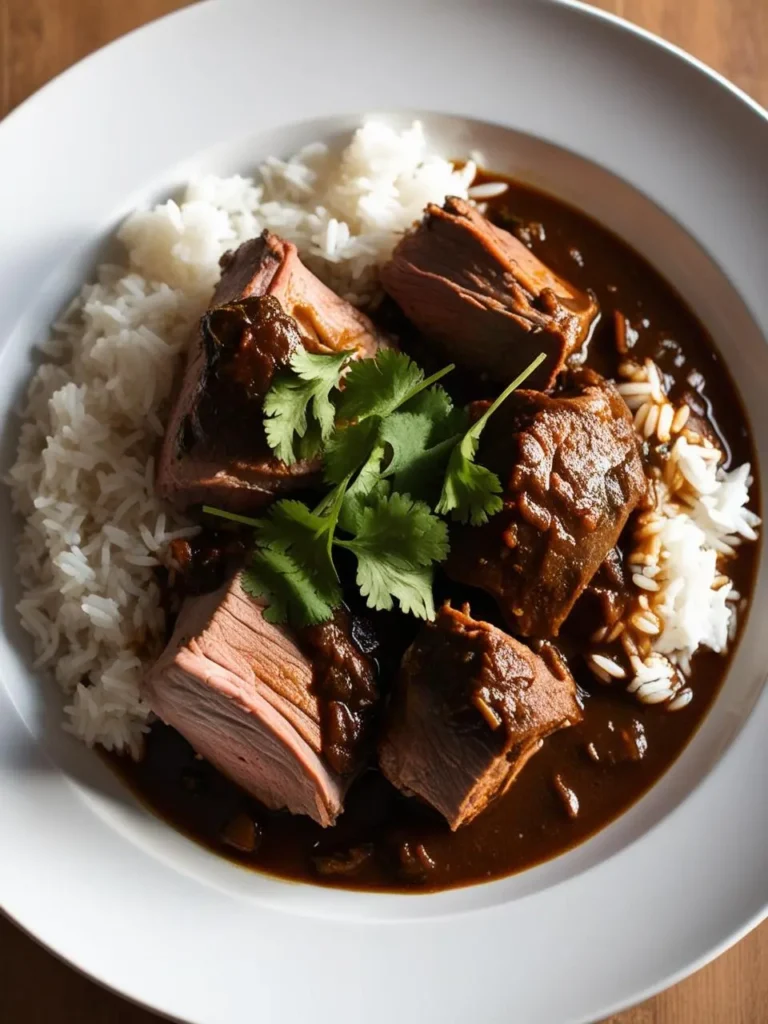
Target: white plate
point(673, 159)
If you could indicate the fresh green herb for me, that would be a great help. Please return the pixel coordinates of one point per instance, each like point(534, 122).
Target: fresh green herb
point(390, 439)
point(349, 449)
point(233, 517)
point(394, 539)
point(290, 592)
point(299, 405)
point(421, 436)
point(396, 542)
point(376, 387)
point(471, 493)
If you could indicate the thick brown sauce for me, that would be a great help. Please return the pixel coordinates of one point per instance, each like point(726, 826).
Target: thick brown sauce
point(529, 824)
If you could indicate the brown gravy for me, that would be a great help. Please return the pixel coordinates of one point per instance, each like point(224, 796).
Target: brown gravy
point(530, 823)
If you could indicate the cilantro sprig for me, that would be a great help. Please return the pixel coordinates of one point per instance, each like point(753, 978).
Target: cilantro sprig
point(398, 455)
point(299, 403)
point(472, 493)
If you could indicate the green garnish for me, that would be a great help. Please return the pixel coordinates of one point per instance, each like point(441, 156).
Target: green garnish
point(397, 456)
point(299, 400)
point(471, 493)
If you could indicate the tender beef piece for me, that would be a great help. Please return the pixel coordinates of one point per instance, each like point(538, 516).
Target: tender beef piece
point(265, 306)
point(470, 707)
point(243, 693)
point(483, 297)
point(572, 474)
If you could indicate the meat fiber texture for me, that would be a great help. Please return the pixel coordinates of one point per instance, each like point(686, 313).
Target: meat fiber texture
point(483, 298)
point(243, 480)
point(471, 706)
point(572, 474)
point(241, 692)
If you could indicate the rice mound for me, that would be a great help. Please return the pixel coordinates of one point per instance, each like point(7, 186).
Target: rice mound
point(93, 531)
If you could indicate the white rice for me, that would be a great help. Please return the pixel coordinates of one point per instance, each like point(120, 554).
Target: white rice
point(685, 599)
point(93, 531)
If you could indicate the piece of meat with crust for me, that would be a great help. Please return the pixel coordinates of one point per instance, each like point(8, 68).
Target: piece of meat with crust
point(265, 306)
point(484, 298)
point(246, 696)
point(470, 707)
point(572, 474)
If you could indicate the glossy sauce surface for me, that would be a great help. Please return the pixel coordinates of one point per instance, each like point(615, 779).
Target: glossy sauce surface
point(387, 841)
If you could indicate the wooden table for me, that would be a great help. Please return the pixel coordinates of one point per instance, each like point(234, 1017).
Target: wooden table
point(38, 39)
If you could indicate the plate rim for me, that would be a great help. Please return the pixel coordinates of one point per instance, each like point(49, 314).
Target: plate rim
point(19, 112)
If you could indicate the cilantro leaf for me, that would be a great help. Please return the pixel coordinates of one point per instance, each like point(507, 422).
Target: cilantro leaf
point(384, 580)
point(298, 403)
point(471, 493)
point(288, 588)
point(407, 434)
point(422, 434)
point(396, 541)
point(367, 482)
point(292, 564)
point(349, 449)
point(422, 477)
point(399, 526)
point(292, 527)
point(414, 435)
point(375, 387)
point(435, 403)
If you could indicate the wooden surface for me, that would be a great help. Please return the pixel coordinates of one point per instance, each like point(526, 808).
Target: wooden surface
point(40, 38)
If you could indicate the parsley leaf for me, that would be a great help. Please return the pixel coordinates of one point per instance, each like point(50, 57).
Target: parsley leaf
point(298, 403)
point(471, 493)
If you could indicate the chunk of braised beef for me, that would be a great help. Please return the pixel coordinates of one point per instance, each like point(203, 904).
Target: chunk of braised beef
point(470, 707)
point(572, 473)
point(605, 600)
point(242, 692)
point(483, 298)
point(266, 305)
